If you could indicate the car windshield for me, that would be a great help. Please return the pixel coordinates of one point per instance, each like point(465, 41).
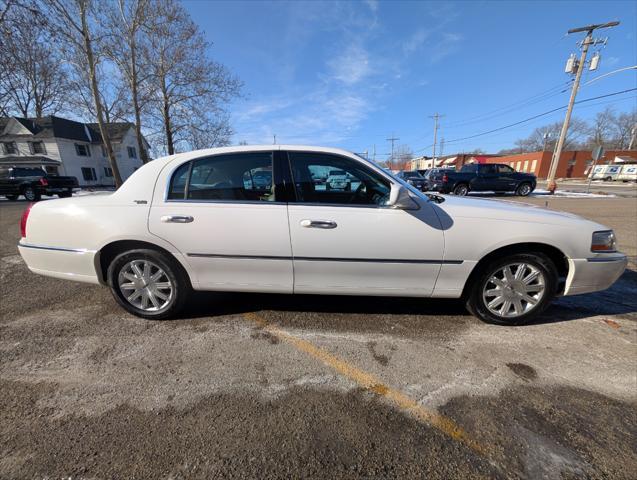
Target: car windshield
point(337, 173)
point(412, 175)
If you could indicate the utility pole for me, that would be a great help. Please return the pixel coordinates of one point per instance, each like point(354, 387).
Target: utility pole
point(586, 43)
point(392, 139)
point(274, 139)
point(633, 134)
point(374, 154)
point(436, 117)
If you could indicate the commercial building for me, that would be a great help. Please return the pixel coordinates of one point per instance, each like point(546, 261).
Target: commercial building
point(572, 164)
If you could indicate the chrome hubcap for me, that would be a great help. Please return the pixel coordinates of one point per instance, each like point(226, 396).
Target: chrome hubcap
point(514, 290)
point(145, 285)
point(525, 189)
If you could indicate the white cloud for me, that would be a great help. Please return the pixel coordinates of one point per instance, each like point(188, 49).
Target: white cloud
point(372, 4)
point(351, 66)
point(415, 42)
point(446, 45)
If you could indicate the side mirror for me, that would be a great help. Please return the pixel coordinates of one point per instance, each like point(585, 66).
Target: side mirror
point(400, 198)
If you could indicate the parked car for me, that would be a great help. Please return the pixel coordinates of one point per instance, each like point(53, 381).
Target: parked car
point(628, 173)
point(33, 183)
point(485, 177)
point(338, 180)
point(424, 171)
point(413, 178)
point(160, 236)
point(606, 173)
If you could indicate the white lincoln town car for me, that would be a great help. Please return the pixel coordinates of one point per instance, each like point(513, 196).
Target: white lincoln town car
point(263, 219)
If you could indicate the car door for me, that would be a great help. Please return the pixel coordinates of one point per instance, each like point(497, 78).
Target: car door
point(349, 242)
point(507, 179)
point(223, 214)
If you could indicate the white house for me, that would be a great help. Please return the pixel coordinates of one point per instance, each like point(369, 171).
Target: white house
point(67, 147)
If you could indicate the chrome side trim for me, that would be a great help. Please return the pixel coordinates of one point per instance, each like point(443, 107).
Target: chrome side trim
point(326, 259)
point(605, 260)
point(56, 249)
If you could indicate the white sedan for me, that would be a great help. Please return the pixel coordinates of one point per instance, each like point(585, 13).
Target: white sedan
point(196, 221)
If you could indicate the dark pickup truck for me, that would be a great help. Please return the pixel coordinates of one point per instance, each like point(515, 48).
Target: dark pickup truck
point(481, 177)
point(33, 183)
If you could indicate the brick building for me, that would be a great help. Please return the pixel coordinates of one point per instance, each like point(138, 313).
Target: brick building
point(573, 164)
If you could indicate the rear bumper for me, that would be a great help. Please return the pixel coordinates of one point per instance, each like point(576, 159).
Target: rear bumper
point(64, 263)
point(595, 273)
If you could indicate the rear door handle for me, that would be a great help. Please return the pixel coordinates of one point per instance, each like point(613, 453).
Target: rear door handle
point(324, 224)
point(177, 219)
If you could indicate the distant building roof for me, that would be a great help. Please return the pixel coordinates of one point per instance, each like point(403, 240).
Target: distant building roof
point(52, 126)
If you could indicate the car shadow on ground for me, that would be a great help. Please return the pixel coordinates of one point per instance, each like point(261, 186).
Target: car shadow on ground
point(618, 300)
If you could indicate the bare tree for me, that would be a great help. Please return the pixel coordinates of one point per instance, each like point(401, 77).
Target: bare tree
point(623, 125)
point(188, 88)
point(125, 20)
point(602, 129)
point(538, 140)
point(35, 80)
point(74, 22)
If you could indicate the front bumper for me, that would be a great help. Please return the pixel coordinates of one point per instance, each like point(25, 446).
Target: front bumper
point(595, 273)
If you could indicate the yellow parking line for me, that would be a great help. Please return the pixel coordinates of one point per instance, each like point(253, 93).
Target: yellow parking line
point(373, 384)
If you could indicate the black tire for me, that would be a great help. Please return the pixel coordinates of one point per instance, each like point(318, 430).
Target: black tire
point(524, 189)
point(31, 194)
point(461, 189)
point(475, 302)
point(13, 198)
point(181, 288)
point(65, 194)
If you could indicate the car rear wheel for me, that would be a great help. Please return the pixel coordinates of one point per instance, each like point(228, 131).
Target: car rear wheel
point(13, 198)
point(461, 190)
point(514, 290)
point(148, 284)
point(523, 190)
point(31, 194)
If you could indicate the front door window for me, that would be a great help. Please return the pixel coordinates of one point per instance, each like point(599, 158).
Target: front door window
point(331, 179)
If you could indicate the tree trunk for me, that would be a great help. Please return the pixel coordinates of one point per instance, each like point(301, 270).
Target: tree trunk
point(167, 127)
point(88, 49)
point(143, 155)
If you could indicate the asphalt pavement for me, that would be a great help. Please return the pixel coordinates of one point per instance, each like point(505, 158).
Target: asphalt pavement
point(276, 386)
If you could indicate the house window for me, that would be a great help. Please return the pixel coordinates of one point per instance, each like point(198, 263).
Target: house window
point(108, 172)
point(132, 153)
point(533, 166)
point(9, 148)
point(37, 148)
point(88, 173)
point(82, 150)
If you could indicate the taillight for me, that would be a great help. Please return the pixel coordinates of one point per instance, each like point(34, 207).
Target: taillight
point(445, 178)
point(23, 221)
point(44, 182)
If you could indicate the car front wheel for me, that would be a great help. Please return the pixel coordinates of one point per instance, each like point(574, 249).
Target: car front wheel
point(148, 284)
point(514, 290)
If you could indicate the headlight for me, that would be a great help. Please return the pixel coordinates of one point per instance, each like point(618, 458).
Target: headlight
point(604, 241)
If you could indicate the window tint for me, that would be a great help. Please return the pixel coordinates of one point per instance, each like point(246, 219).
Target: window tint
point(28, 172)
point(331, 179)
point(487, 169)
point(469, 168)
point(504, 169)
point(239, 177)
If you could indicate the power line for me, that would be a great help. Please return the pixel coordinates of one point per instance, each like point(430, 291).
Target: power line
point(531, 118)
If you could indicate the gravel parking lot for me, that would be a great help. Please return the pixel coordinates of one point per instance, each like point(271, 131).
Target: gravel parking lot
point(273, 386)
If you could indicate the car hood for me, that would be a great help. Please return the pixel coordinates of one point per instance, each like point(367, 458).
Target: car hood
point(511, 211)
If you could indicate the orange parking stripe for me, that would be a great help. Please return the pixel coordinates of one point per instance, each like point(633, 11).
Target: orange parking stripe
point(373, 384)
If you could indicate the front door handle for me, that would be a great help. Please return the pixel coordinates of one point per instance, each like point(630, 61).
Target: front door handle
point(324, 224)
point(177, 219)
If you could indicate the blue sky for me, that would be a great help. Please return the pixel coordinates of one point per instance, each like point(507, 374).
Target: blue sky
point(351, 74)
